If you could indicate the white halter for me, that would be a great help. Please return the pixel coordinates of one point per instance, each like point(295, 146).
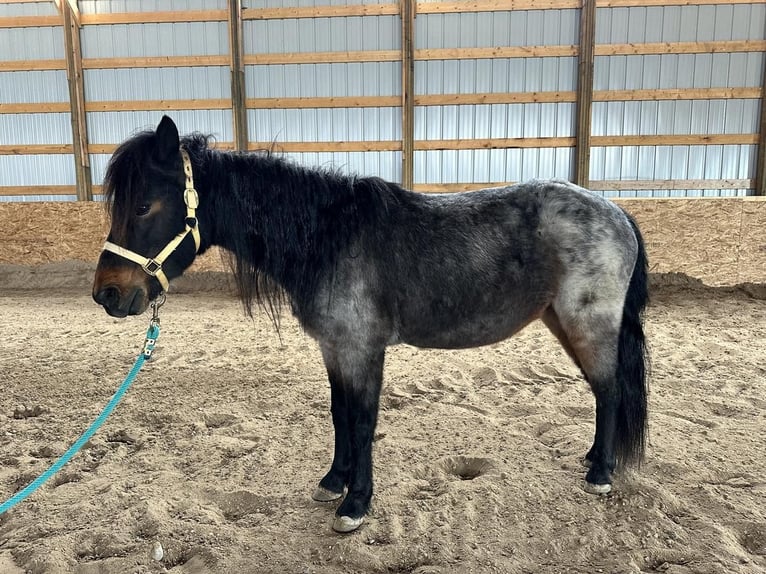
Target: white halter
point(153, 266)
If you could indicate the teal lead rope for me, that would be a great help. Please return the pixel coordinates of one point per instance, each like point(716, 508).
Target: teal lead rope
point(151, 340)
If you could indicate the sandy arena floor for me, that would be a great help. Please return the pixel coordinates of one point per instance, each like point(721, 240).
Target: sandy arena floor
point(215, 450)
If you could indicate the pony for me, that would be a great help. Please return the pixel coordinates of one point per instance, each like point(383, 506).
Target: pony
point(364, 264)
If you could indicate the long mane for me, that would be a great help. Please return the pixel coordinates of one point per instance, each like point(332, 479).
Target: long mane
point(285, 225)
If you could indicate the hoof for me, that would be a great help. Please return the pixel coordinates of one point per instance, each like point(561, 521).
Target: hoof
point(597, 488)
point(344, 524)
point(321, 494)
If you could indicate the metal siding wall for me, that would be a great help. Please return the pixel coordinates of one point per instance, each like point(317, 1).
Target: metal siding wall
point(34, 87)
point(669, 71)
point(326, 80)
point(478, 30)
point(137, 84)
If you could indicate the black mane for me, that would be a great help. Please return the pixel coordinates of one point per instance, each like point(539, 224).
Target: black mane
point(288, 224)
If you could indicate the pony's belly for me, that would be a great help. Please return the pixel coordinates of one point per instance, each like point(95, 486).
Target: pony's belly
point(476, 331)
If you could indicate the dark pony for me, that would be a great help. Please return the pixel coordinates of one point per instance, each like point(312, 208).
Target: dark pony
point(364, 264)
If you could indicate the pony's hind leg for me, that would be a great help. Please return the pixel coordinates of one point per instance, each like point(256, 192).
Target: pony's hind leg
point(590, 338)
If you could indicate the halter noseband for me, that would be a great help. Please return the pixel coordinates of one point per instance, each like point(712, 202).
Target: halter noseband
point(153, 267)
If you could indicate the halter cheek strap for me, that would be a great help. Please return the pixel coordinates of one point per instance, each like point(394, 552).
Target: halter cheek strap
point(153, 266)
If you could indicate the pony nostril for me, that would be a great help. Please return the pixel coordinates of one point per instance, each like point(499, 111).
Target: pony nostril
point(107, 296)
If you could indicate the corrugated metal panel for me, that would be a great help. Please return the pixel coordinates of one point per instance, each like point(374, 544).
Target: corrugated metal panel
point(382, 164)
point(51, 169)
point(135, 84)
point(476, 30)
point(28, 9)
point(165, 39)
point(672, 71)
point(115, 127)
point(326, 80)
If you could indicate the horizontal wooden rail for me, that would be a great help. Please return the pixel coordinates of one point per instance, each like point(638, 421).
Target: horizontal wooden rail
point(602, 185)
point(322, 57)
point(393, 55)
point(498, 52)
point(320, 11)
point(679, 140)
point(155, 62)
point(650, 3)
point(429, 145)
point(677, 94)
point(650, 184)
point(716, 47)
point(458, 6)
point(160, 17)
point(35, 149)
point(31, 65)
point(11, 191)
point(391, 101)
point(324, 102)
point(31, 21)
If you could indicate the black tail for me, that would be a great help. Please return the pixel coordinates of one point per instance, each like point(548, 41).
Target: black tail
point(633, 364)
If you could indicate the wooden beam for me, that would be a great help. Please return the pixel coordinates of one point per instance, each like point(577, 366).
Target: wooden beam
point(73, 55)
point(30, 21)
point(498, 52)
point(323, 57)
point(154, 62)
point(647, 3)
point(382, 9)
point(670, 139)
point(16, 190)
point(677, 94)
point(237, 67)
point(407, 9)
point(727, 46)
point(760, 167)
point(160, 17)
point(37, 108)
point(309, 147)
point(494, 98)
point(158, 105)
point(322, 102)
point(461, 6)
point(31, 65)
point(584, 92)
point(494, 143)
point(650, 184)
point(35, 149)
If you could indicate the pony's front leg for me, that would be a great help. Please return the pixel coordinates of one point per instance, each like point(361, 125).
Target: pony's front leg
point(334, 482)
point(358, 387)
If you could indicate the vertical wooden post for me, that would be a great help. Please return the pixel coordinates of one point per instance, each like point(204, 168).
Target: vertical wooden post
point(407, 11)
point(238, 99)
point(77, 98)
point(760, 170)
point(584, 92)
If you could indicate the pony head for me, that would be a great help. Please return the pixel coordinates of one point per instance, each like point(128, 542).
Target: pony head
point(153, 236)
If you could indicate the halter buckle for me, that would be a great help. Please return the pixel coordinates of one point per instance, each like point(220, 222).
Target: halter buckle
point(152, 267)
point(191, 198)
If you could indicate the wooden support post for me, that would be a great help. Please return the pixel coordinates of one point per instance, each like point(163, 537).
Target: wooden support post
point(760, 170)
point(585, 92)
point(407, 11)
point(77, 98)
point(238, 97)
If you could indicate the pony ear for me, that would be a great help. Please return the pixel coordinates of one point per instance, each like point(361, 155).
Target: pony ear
point(167, 139)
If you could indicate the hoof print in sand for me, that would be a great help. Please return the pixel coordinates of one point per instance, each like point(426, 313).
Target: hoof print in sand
point(467, 468)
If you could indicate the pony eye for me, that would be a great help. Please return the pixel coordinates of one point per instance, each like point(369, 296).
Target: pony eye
point(143, 209)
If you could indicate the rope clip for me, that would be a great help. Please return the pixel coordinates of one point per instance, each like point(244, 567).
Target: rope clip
point(154, 327)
